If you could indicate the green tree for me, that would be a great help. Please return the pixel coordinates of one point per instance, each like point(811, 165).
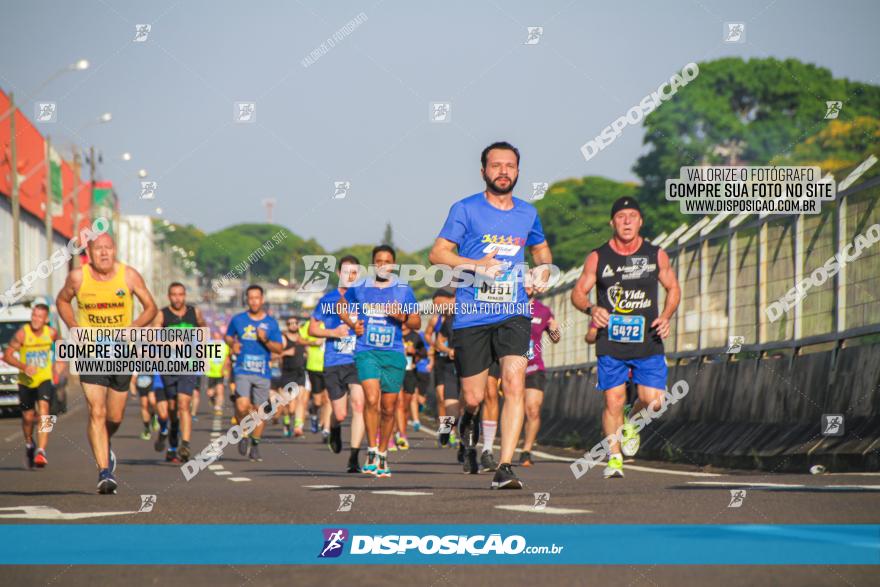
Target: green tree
point(763, 106)
point(575, 215)
point(388, 235)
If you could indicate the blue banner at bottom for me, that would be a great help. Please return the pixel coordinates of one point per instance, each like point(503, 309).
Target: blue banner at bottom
point(454, 544)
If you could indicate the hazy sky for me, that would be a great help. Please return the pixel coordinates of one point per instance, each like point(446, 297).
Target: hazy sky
point(360, 113)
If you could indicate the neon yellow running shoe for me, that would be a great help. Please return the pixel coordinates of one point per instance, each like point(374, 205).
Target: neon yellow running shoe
point(614, 468)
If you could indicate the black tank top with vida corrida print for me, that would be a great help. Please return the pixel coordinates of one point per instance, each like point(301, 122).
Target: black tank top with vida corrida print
point(626, 286)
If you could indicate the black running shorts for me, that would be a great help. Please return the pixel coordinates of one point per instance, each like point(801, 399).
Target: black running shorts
point(477, 347)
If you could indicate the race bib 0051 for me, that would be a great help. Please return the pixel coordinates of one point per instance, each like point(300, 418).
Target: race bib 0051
point(502, 290)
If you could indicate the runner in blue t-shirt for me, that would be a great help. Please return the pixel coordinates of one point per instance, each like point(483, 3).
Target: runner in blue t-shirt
point(253, 336)
point(383, 305)
point(340, 373)
point(491, 231)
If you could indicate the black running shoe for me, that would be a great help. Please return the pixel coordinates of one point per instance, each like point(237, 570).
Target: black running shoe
point(470, 466)
point(243, 446)
point(183, 453)
point(159, 445)
point(255, 453)
point(30, 450)
point(525, 459)
point(334, 441)
point(444, 438)
point(106, 483)
point(171, 456)
point(460, 456)
point(505, 478)
point(353, 465)
point(487, 462)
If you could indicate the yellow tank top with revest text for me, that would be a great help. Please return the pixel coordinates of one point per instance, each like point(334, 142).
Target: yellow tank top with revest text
point(104, 304)
point(36, 350)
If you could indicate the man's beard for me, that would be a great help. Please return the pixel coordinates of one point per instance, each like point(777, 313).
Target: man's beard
point(495, 188)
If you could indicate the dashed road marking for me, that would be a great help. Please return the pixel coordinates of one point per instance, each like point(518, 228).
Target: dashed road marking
point(239, 479)
point(215, 467)
point(785, 486)
point(321, 486)
point(221, 473)
point(398, 492)
point(545, 510)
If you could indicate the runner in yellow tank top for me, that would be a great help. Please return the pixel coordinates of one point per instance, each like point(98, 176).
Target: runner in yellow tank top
point(103, 290)
point(33, 343)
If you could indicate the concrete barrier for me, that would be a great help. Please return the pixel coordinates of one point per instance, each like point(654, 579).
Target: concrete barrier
point(752, 413)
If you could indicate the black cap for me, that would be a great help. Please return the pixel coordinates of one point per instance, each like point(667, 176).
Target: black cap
point(625, 203)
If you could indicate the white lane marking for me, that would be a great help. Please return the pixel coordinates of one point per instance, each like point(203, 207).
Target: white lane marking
point(13, 436)
point(221, 473)
point(865, 474)
point(397, 492)
point(215, 434)
point(321, 486)
point(239, 479)
point(215, 467)
point(42, 512)
point(545, 510)
point(670, 471)
point(549, 457)
point(790, 486)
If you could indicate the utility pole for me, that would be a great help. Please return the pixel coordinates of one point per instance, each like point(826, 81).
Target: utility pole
point(48, 210)
point(16, 203)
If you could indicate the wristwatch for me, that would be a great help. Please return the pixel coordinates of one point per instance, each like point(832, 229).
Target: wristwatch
point(588, 310)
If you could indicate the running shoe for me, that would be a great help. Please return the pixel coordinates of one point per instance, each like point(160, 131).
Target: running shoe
point(454, 440)
point(403, 443)
point(218, 411)
point(614, 468)
point(145, 435)
point(255, 453)
point(313, 422)
point(443, 439)
point(287, 431)
point(505, 478)
point(383, 470)
point(460, 456)
point(370, 466)
point(417, 426)
point(391, 446)
point(159, 445)
point(470, 466)
point(171, 456)
point(525, 459)
point(298, 433)
point(40, 460)
point(243, 446)
point(353, 466)
point(325, 434)
point(631, 438)
point(195, 418)
point(29, 452)
point(106, 483)
point(155, 423)
point(334, 441)
point(183, 452)
point(487, 462)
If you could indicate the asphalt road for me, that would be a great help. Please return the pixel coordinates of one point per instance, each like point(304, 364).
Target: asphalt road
point(300, 481)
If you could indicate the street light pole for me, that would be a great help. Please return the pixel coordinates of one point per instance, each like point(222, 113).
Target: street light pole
point(16, 204)
point(48, 211)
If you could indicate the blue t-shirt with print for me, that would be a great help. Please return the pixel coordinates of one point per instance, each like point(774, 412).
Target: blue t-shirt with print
point(422, 365)
point(381, 333)
point(478, 228)
point(338, 351)
point(254, 356)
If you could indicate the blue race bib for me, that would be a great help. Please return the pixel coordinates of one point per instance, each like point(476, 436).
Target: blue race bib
point(379, 336)
point(626, 328)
